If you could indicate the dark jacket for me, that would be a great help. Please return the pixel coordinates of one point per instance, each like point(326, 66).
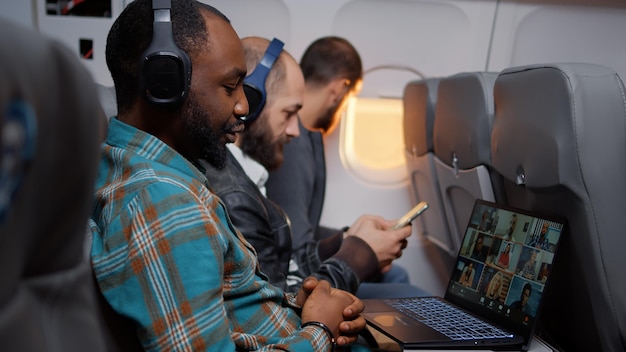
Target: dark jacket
point(267, 228)
point(302, 173)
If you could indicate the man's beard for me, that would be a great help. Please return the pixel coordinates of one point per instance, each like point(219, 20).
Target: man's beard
point(257, 143)
point(202, 136)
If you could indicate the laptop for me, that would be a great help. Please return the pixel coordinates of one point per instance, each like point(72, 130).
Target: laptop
point(494, 292)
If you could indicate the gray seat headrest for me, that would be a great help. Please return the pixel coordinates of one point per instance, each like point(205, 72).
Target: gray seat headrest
point(419, 115)
point(463, 118)
point(47, 297)
point(569, 110)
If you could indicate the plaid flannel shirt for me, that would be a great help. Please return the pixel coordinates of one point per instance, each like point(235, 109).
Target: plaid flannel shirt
point(166, 255)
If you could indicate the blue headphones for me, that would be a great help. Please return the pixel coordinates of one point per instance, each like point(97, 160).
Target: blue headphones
point(165, 69)
point(254, 84)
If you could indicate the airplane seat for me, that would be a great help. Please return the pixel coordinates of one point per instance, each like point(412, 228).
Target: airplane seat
point(119, 332)
point(51, 126)
point(559, 140)
point(419, 99)
point(462, 147)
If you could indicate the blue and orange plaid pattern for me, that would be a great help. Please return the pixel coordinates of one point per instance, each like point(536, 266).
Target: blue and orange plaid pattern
point(166, 255)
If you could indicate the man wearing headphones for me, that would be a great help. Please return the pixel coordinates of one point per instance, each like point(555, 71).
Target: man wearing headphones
point(345, 258)
point(333, 72)
point(164, 252)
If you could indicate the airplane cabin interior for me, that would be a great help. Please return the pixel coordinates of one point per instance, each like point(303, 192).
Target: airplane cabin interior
point(518, 102)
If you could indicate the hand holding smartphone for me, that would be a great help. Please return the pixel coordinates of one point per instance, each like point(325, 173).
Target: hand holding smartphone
point(410, 215)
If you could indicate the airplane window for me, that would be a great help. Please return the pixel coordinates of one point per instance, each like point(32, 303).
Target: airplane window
point(372, 141)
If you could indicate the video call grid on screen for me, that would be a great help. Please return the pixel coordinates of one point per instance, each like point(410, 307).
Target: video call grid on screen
point(505, 259)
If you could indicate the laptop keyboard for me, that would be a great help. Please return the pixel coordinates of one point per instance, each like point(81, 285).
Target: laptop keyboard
point(447, 319)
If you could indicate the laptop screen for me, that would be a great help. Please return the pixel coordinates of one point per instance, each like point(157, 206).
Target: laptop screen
point(504, 264)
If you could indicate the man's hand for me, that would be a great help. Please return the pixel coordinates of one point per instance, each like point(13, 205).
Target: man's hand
point(353, 322)
point(308, 285)
point(386, 244)
point(337, 309)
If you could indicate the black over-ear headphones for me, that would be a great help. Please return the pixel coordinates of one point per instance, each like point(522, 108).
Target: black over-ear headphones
point(254, 84)
point(165, 69)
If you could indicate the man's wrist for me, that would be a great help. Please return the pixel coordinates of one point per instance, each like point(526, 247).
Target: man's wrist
point(329, 333)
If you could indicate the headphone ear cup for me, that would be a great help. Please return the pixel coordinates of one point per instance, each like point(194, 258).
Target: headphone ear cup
point(165, 69)
point(254, 84)
point(166, 77)
point(256, 98)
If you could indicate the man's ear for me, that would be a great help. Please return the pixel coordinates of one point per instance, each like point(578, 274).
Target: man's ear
point(337, 89)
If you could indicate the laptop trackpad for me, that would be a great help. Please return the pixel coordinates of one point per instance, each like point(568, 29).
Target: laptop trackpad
point(403, 329)
point(393, 320)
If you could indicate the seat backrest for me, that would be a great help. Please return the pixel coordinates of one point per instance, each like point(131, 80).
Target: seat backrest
point(419, 115)
point(559, 140)
point(462, 146)
point(51, 128)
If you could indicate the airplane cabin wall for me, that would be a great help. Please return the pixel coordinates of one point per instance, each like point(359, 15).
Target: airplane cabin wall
point(530, 33)
point(417, 38)
point(18, 11)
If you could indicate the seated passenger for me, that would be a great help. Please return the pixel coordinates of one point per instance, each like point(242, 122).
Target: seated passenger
point(164, 252)
point(345, 258)
point(333, 72)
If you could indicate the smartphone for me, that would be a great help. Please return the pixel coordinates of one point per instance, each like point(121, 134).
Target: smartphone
point(410, 215)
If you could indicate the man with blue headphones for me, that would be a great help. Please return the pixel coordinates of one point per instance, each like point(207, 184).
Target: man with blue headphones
point(275, 91)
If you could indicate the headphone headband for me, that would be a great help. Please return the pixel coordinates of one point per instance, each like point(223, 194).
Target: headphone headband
point(254, 84)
